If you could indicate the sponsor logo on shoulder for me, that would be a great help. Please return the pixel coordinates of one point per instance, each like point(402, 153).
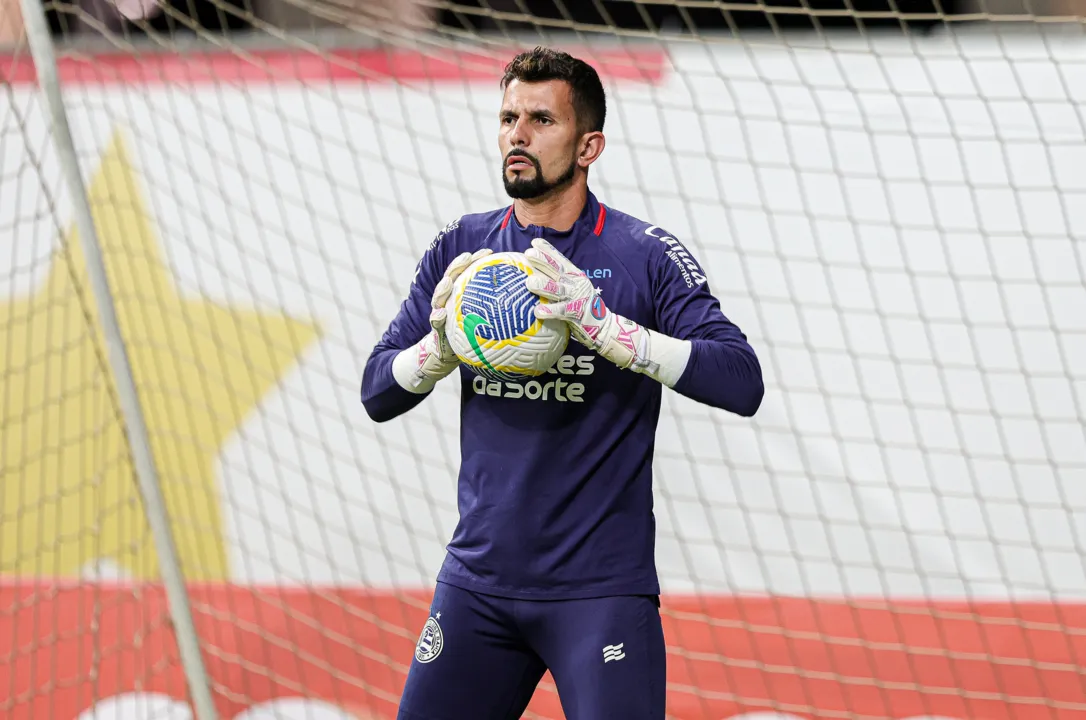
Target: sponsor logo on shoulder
point(433, 244)
point(444, 231)
point(691, 271)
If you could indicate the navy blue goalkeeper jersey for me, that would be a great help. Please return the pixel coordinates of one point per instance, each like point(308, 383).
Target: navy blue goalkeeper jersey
point(555, 483)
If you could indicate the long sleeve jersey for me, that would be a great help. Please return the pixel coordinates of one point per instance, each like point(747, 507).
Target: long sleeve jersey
point(555, 483)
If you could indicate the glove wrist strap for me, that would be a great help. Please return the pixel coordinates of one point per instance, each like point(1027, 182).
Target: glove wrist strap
point(417, 369)
point(636, 348)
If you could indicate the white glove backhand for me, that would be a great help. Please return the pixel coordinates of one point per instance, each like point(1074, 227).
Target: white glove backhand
point(573, 298)
point(433, 358)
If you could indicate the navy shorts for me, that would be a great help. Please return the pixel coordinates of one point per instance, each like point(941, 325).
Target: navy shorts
point(480, 657)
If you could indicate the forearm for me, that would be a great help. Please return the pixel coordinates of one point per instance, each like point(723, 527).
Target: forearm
point(386, 391)
point(714, 366)
point(396, 378)
point(724, 374)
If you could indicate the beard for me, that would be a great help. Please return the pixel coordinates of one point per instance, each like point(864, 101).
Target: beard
point(521, 188)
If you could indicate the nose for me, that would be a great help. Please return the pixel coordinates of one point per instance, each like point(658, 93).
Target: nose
point(519, 135)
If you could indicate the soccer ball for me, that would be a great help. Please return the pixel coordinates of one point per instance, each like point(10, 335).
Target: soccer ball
point(492, 325)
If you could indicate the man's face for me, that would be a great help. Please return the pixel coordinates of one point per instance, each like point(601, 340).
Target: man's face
point(538, 138)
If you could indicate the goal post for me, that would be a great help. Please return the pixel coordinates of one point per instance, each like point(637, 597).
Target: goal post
point(889, 200)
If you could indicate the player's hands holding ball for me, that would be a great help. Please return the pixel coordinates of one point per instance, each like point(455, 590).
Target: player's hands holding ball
point(435, 359)
point(572, 297)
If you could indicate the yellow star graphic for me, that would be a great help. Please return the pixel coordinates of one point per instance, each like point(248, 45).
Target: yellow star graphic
point(69, 496)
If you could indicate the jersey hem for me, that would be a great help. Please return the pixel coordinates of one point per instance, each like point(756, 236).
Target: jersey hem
point(408, 715)
point(645, 587)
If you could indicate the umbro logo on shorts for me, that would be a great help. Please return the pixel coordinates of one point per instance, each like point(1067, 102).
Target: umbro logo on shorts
point(613, 652)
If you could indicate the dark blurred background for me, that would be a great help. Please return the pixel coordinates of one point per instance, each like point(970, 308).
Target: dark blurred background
point(485, 15)
point(674, 18)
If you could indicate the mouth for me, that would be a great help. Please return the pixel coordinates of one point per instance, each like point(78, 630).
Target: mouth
point(518, 162)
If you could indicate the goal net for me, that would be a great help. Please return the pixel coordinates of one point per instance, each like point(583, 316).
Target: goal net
point(889, 199)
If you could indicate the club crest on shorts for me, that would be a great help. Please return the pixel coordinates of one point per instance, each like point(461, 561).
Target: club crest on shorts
point(430, 641)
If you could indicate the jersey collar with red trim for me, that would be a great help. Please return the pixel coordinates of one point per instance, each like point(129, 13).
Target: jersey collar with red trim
point(591, 220)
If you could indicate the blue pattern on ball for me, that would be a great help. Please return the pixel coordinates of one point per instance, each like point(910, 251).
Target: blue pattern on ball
point(499, 294)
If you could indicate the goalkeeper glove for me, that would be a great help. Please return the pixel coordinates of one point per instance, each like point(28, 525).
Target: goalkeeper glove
point(419, 367)
point(574, 299)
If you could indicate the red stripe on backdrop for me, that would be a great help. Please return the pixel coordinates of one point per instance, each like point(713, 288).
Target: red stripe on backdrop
point(727, 655)
point(289, 66)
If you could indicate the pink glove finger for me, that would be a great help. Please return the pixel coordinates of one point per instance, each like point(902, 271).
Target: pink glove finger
point(544, 261)
point(565, 310)
point(550, 311)
point(540, 264)
point(545, 287)
point(555, 258)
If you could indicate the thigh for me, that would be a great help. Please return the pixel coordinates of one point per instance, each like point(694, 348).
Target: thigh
point(606, 655)
point(470, 662)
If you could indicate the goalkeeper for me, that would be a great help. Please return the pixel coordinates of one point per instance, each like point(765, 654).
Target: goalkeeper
point(551, 565)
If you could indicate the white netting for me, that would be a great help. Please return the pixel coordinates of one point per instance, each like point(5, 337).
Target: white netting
point(893, 212)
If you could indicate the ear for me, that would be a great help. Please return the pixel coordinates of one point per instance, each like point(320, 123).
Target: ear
point(590, 148)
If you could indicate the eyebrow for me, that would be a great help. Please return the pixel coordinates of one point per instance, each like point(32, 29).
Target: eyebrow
point(534, 114)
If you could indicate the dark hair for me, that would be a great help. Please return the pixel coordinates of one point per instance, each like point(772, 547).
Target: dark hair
point(542, 64)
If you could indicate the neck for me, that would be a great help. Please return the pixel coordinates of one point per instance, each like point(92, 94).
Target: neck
point(558, 210)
